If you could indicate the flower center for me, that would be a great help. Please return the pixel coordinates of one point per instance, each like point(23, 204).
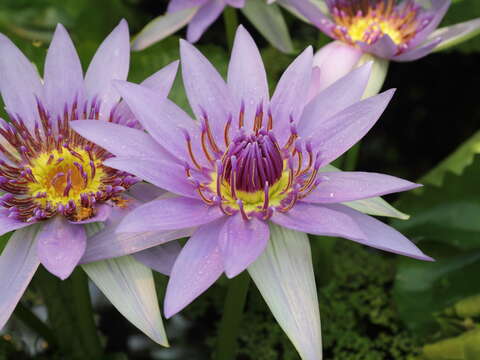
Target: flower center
point(50, 169)
point(254, 175)
point(368, 21)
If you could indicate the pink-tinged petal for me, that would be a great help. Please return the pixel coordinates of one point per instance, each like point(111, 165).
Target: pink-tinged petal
point(337, 97)
point(160, 258)
point(111, 61)
point(120, 140)
point(343, 130)
point(164, 120)
point(63, 74)
point(169, 214)
point(161, 82)
point(455, 34)
point(19, 82)
point(284, 276)
point(18, 263)
point(241, 243)
point(8, 224)
point(205, 17)
point(319, 220)
point(380, 235)
point(335, 60)
point(197, 267)
point(177, 5)
point(102, 213)
point(60, 245)
point(383, 47)
point(145, 192)
point(335, 187)
point(236, 3)
point(107, 243)
point(290, 95)
point(164, 174)
point(418, 52)
point(247, 79)
point(207, 92)
point(435, 13)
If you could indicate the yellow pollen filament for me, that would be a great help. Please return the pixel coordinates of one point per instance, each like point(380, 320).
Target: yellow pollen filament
point(52, 171)
point(252, 201)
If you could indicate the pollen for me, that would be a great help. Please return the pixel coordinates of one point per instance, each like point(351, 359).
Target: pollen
point(60, 177)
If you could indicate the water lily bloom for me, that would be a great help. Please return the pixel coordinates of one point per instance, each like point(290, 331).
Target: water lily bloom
point(56, 188)
point(399, 31)
point(200, 14)
point(246, 175)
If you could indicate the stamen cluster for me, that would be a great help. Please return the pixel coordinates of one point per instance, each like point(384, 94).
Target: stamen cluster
point(369, 20)
point(254, 174)
point(48, 169)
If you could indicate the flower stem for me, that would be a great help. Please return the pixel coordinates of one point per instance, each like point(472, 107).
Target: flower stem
point(232, 315)
point(230, 19)
point(26, 316)
point(70, 314)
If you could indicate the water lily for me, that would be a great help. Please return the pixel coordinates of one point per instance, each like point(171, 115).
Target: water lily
point(402, 31)
point(265, 15)
point(246, 176)
point(56, 190)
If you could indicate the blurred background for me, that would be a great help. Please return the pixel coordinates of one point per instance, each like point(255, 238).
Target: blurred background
point(374, 306)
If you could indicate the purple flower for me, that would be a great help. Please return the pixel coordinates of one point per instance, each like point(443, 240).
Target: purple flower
point(56, 188)
point(246, 175)
point(402, 31)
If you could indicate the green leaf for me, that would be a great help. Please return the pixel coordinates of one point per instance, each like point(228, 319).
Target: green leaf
point(449, 214)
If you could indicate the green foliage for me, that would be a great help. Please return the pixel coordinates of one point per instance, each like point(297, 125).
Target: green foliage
point(460, 11)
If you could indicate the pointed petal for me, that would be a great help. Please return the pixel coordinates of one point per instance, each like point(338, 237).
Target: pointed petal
point(315, 15)
point(102, 213)
point(290, 96)
point(269, 21)
point(164, 174)
point(118, 139)
point(145, 192)
point(160, 258)
point(168, 130)
point(315, 84)
point(419, 52)
point(197, 267)
point(18, 263)
point(161, 82)
point(169, 214)
point(455, 34)
point(60, 245)
point(380, 235)
point(241, 242)
point(335, 187)
point(435, 14)
point(107, 243)
point(337, 134)
point(377, 76)
point(336, 59)
point(284, 276)
point(63, 74)
point(247, 79)
point(163, 26)
point(130, 288)
point(8, 224)
point(206, 90)
point(19, 82)
point(111, 61)
point(178, 5)
point(319, 220)
point(204, 17)
point(337, 97)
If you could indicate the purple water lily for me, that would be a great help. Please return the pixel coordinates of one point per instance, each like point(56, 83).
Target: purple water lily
point(55, 184)
point(248, 170)
point(399, 31)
